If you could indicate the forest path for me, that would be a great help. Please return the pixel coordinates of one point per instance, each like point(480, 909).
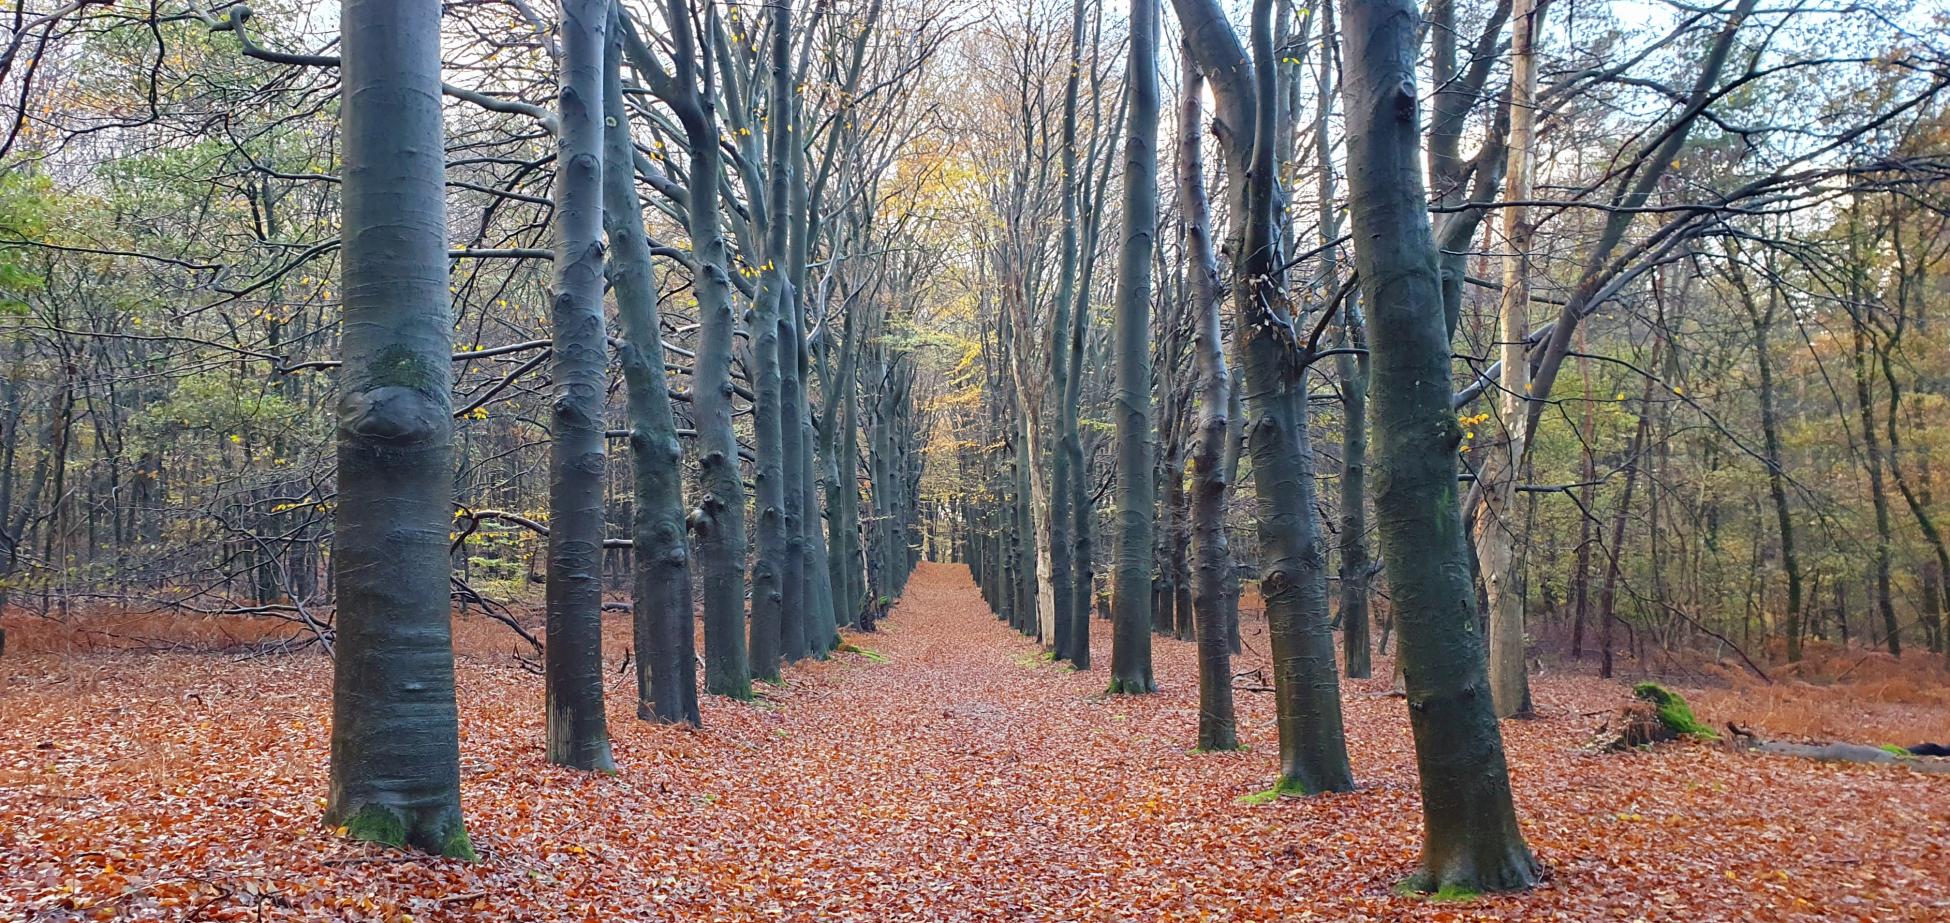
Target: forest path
point(963, 778)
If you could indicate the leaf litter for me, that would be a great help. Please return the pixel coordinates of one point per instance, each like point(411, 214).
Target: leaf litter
point(954, 777)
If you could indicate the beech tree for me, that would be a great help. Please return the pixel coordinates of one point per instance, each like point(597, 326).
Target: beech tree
point(1131, 592)
point(578, 734)
point(395, 731)
point(1470, 838)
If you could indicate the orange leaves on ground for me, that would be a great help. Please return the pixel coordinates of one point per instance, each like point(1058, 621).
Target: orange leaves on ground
point(963, 779)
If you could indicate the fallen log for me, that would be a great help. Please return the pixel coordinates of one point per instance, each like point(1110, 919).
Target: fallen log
point(1837, 752)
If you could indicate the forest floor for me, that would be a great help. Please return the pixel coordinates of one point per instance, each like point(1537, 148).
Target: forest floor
point(954, 776)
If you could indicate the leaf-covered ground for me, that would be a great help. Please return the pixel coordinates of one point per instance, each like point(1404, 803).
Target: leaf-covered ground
point(962, 779)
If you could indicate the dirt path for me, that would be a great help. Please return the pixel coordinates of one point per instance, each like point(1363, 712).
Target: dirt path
point(963, 778)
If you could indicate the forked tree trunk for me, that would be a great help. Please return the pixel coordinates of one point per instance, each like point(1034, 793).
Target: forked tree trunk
point(1762, 321)
point(666, 669)
point(768, 418)
point(1313, 748)
point(1470, 835)
point(719, 517)
point(1356, 654)
point(395, 772)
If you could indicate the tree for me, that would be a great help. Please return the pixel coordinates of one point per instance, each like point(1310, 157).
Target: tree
point(578, 734)
point(395, 729)
point(1131, 587)
point(666, 661)
point(1470, 837)
point(1213, 583)
point(719, 517)
point(1313, 746)
point(1500, 521)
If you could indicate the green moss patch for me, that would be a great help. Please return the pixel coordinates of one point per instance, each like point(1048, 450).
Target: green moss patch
point(1418, 886)
point(867, 652)
point(1673, 711)
point(1285, 788)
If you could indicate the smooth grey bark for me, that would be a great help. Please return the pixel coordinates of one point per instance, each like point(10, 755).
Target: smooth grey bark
point(1916, 499)
point(1872, 447)
point(577, 731)
point(666, 670)
point(768, 595)
point(796, 598)
point(1062, 525)
point(1502, 518)
point(1470, 835)
point(1614, 554)
point(395, 770)
point(1313, 749)
point(718, 520)
point(1212, 574)
point(1355, 566)
point(849, 580)
point(1131, 585)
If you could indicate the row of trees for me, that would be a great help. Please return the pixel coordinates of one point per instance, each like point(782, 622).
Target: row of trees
point(1504, 324)
point(1425, 217)
point(682, 229)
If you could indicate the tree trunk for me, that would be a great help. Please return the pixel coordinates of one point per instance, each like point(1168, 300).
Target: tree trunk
point(577, 733)
point(1470, 835)
point(1762, 322)
point(1501, 525)
point(1608, 595)
point(666, 668)
point(1131, 590)
point(1356, 655)
point(1217, 726)
point(768, 419)
point(719, 518)
point(1313, 749)
point(1878, 493)
point(395, 769)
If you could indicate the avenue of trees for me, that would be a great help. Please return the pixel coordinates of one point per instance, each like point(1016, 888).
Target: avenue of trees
point(1457, 338)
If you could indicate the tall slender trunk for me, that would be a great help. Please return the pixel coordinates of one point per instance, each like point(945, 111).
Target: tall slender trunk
point(1608, 595)
point(1062, 527)
point(1131, 589)
point(577, 732)
point(1353, 368)
point(666, 670)
point(1313, 748)
point(768, 418)
point(1587, 521)
point(395, 766)
point(1500, 522)
point(1762, 321)
point(843, 487)
point(1217, 726)
point(1470, 835)
point(1878, 492)
point(718, 520)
